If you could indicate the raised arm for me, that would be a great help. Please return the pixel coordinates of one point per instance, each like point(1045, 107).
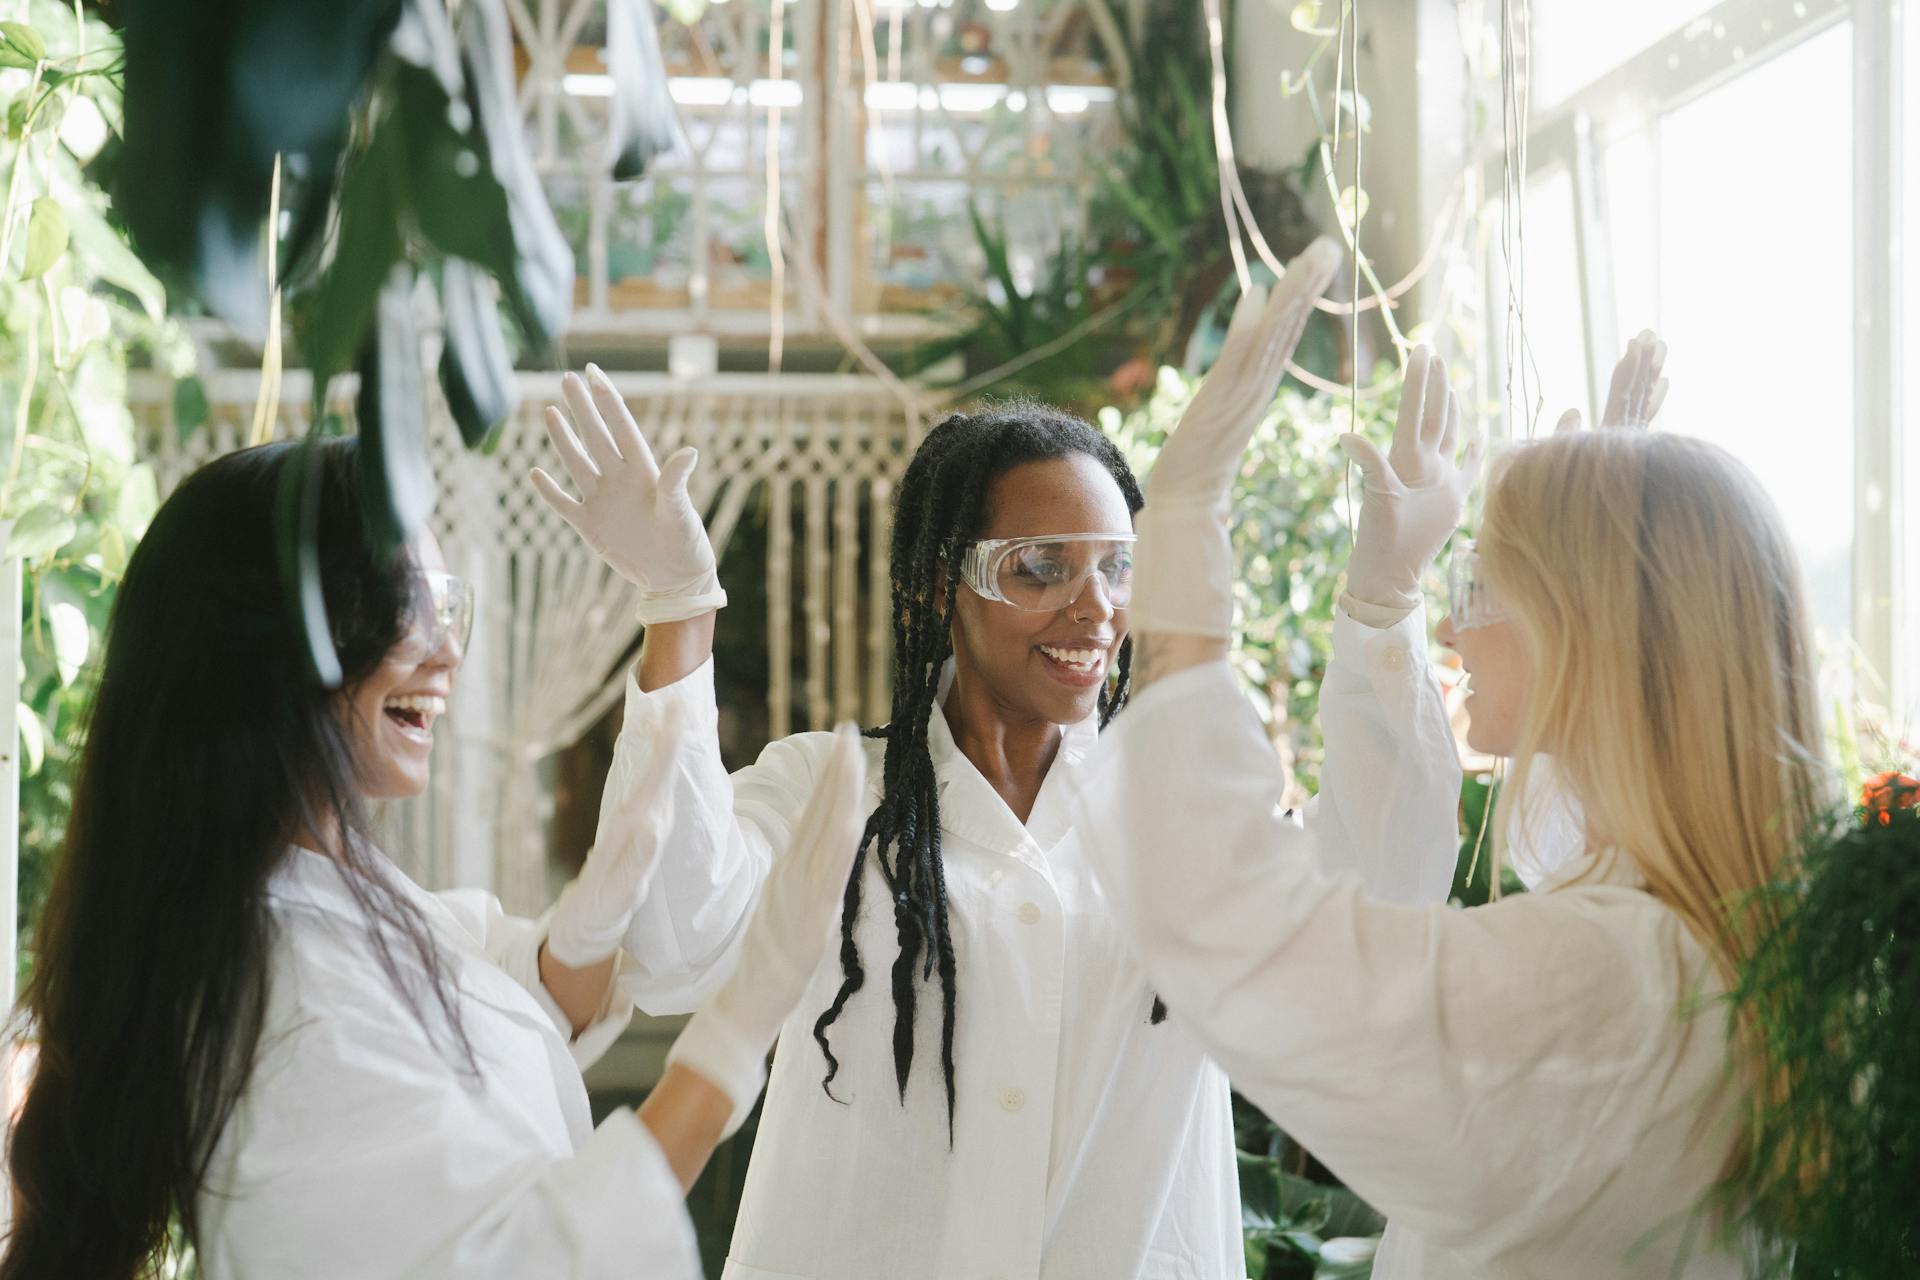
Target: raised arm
point(701, 871)
point(1390, 786)
point(1388, 1039)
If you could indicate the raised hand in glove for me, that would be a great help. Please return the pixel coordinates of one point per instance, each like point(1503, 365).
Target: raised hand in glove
point(1415, 493)
point(633, 512)
point(1183, 562)
point(1637, 391)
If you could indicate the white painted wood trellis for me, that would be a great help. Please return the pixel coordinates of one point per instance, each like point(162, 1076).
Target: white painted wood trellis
point(823, 453)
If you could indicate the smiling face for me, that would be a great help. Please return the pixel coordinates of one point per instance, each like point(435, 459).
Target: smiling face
point(1500, 666)
point(390, 715)
point(1045, 665)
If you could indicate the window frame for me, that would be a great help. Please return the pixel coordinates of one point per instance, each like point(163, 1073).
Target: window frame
point(1720, 45)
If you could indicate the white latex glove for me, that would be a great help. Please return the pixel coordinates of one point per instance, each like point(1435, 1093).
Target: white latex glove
point(1183, 561)
point(633, 512)
point(593, 911)
point(1637, 391)
point(794, 922)
point(1414, 495)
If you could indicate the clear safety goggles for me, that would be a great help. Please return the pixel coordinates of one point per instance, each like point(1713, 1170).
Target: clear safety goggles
point(443, 607)
point(1050, 571)
point(1471, 603)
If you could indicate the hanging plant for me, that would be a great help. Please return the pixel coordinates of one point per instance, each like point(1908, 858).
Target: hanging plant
point(395, 134)
point(1834, 1173)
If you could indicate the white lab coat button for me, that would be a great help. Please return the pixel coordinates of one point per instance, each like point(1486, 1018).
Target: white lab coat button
point(1393, 658)
point(1029, 913)
point(993, 880)
point(1013, 1099)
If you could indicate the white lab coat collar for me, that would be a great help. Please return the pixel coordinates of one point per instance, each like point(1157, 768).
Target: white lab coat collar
point(315, 881)
point(305, 878)
point(971, 808)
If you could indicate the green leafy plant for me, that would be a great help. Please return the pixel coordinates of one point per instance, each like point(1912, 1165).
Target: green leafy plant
point(78, 306)
point(1834, 1174)
point(392, 137)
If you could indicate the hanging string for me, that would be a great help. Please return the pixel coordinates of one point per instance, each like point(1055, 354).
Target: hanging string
point(777, 285)
point(1515, 116)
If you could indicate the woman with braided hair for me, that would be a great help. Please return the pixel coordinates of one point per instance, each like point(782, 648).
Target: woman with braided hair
point(981, 1082)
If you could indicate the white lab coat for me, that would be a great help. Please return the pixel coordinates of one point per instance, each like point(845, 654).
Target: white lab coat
point(1087, 1143)
point(359, 1149)
point(1519, 1087)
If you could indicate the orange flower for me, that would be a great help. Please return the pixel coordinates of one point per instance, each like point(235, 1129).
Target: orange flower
point(1881, 794)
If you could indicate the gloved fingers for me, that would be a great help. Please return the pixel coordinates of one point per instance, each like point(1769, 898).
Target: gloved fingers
point(1630, 391)
point(1413, 391)
point(1470, 461)
point(1377, 472)
point(1291, 303)
point(1656, 399)
point(624, 431)
point(564, 504)
point(1433, 405)
point(1450, 433)
point(674, 472)
point(587, 423)
point(586, 476)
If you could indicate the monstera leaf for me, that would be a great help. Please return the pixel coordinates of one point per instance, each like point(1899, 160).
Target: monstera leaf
point(404, 170)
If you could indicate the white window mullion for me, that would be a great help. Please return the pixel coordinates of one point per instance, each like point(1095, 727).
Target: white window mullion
point(1876, 320)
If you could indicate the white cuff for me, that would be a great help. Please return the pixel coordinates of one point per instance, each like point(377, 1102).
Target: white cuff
point(728, 1062)
point(692, 693)
point(1378, 616)
point(678, 606)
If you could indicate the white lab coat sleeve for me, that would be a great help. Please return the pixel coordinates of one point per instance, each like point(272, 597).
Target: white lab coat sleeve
point(1425, 1054)
point(513, 943)
point(1389, 800)
point(724, 835)
point(369, 1162)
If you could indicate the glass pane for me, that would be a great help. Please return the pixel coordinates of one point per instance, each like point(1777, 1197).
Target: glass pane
point(1906, 494)
point(1755, 289)
point(1541, 347)
point(1576, 43)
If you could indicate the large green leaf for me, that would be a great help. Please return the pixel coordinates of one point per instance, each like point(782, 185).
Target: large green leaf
point(296, 521)
point(373, 200)
point(540, 287)
point(396, 474)
point(46, 238)
point(20, 45)
point(295, 72)
point(105, 250)
point(40, 530)
point(641, 120)
point(460, 207)
point(475, 370)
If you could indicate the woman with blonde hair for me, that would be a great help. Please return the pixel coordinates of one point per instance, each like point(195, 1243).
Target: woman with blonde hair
point(1540, 1087)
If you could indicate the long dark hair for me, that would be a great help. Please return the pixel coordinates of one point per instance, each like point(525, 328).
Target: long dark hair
point(939, 511)
point(209, 750)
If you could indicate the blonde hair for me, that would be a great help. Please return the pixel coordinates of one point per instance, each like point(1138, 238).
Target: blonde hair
point(1675, 679)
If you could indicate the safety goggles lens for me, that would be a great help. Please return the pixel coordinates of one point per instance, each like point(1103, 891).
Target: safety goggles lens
point(1471, 603)
point(445, 609)
point(1042, 575)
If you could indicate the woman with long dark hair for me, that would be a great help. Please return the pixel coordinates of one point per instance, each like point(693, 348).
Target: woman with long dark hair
point(253, 1027)
point(982, 1081)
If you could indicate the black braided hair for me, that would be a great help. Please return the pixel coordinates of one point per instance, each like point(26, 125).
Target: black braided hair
point(938, 512)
